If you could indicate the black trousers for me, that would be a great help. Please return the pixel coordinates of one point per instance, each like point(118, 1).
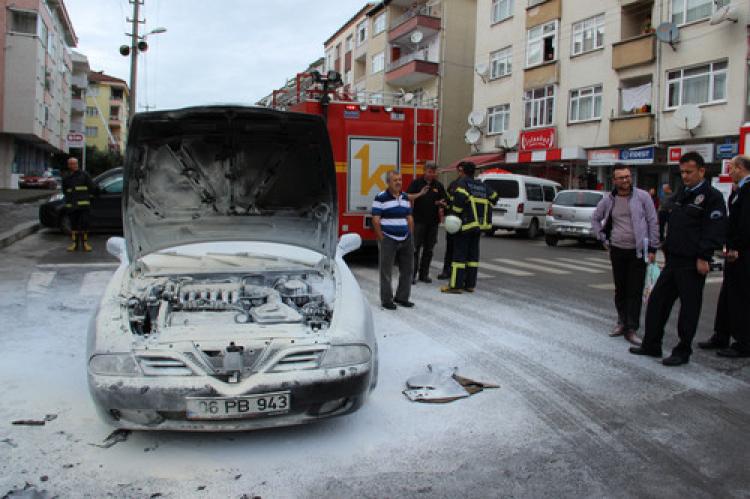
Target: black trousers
point(663, 216)
point(79, 220)
point(400, 253)
point(425, 237)
point(448, 257)
point(629, 273)
point(731, 312)
point(465, 264)
point(678, 279)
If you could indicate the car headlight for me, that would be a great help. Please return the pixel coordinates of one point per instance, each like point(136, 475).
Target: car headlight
point(115, 364)
point(346, 355)
point(57, 197)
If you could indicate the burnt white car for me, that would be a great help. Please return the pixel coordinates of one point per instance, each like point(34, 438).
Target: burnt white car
point(232, 307)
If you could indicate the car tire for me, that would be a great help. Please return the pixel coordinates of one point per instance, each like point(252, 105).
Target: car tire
point(65, 225)
point(533, 231)
point(551, 240)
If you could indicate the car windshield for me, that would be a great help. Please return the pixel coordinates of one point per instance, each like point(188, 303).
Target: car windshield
point(578, 199)
point(504, 188)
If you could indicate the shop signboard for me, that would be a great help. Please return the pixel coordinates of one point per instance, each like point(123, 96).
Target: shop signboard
point(727, 151)
point(705, 150)
point(638, 156)
point(538, 140)
point(603, 157)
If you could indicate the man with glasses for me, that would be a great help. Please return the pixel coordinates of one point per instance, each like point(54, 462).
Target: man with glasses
point(625, 222)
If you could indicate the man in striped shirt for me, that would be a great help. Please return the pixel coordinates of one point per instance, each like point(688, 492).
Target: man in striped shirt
point(393, 225)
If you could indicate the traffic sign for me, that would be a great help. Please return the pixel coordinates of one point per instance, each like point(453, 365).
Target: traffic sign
point(76, 140)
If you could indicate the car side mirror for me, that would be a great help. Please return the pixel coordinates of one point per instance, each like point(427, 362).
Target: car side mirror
point(116, 247)
point(348, 243)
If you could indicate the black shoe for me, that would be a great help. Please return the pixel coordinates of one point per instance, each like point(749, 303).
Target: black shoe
point(404, 303)
point(414, 281)
point(389, 306)
point(712, 344)
point(733, 353)
point(443, 275)
point(675, 360)
point(425, 279)
point(642, 351)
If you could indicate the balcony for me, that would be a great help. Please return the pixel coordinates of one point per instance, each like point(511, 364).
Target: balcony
point(115, 122)
point(542, 13)
point(360, 52)
point(631, 129)
point(415, 19)
point(542, 75)
point(634, 51)
point(77, 106)
point(411, 69)
point(79, 81)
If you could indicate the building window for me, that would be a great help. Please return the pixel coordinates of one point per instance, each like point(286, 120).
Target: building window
point(586, 103)
point(541, 44)
point(539, 107)
point(378, 63)
point(43, 34)
point(349, 43)
point(588, 35)
point(116, 94)
point(361, 33)
point(92, 131)
point(91, 111)
point(498, 118)
point(501, 10)
point(329, 60)
point(535, 2)
point(92, 91)
point(687, 11)
point(23, 22)
point(697, 85)
point(114, 112)
point(378, 24)
point(501, 62)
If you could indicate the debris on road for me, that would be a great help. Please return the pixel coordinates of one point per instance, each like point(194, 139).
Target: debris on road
point(10, 442)
point(113, 438)
point(442, 385)
point(35, 422)
point(29, 491)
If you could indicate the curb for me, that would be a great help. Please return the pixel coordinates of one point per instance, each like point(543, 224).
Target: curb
point(18, 232)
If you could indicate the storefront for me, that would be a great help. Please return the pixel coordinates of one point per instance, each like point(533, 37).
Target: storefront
point(646, 165)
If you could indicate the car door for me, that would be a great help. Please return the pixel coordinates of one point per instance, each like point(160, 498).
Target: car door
point(106, 206)
point(549, 193)
point(535, 205)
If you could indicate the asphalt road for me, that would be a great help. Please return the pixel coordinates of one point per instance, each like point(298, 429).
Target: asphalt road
point(575, 414)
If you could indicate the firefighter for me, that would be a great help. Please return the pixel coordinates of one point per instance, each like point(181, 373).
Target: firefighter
point(472, 202)
point(448, 257)
point(78, 189)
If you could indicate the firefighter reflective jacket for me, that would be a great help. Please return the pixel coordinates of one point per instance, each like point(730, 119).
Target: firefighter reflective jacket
point(472, 203)
point(78, 189)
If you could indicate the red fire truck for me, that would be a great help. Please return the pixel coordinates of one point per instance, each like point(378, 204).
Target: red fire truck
point(370, 135)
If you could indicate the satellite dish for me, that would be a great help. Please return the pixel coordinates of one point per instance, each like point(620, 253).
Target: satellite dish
point(408, 97)
point(668, 33)
point(476, 118)
point(726, 13)
point(510, 138)
point(416, 37)
point(482, 69)
point(687, 117)
point(472, 135)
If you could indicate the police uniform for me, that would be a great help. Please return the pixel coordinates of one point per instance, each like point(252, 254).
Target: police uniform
point(472, 203)
point(78, 189)
point(697, 227)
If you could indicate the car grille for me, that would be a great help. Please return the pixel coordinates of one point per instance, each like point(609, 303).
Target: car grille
point(301, 359)
point(163, 366)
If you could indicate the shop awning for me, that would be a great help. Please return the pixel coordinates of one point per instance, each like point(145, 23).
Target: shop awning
point(478, 159)
point(564, 154)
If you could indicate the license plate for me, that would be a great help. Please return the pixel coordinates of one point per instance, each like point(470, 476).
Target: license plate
point(502, 211)
point(238, 407)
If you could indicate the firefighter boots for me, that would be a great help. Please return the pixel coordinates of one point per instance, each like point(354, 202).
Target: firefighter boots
point(86, 246)
point(74, 245)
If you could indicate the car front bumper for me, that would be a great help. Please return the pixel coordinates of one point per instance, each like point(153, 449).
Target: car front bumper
point(159, 402)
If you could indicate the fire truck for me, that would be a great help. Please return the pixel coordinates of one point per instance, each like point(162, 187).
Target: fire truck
point(371, 133)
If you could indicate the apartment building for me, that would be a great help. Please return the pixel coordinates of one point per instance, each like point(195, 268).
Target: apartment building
point(35, 84)
point(568, 88)
point(79, 82)
point(106, 121)
point(424, 49)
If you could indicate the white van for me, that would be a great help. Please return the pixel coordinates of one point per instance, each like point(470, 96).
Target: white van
point(523, 203)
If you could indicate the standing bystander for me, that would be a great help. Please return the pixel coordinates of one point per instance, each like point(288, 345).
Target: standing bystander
point(428, 202)
point(393, 225)
point(697, 226)
point(78, 189)
point(625, 222)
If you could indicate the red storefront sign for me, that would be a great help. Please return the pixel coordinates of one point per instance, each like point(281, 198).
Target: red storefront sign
point(538, 140)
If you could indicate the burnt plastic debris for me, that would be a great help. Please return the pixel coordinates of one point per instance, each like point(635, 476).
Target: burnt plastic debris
point(441, 385)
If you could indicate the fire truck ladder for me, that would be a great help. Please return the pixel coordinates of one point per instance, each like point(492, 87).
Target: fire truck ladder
point(422, 126)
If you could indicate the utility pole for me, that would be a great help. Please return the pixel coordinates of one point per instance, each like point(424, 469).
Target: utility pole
point(134, 55)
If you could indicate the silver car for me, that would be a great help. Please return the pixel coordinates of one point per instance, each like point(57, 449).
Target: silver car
point(569, 217)
point(232, 307)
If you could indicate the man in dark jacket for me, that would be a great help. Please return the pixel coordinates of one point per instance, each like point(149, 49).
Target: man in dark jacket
point(731, 314)
point(430, 198)
point(78, 189)
point(697, 228)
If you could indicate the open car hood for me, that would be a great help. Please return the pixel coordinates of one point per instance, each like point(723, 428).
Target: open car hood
point(228, 173)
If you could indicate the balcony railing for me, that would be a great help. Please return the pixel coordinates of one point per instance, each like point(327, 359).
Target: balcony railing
point(423, 10)
point(419, 55)
point(634, 51)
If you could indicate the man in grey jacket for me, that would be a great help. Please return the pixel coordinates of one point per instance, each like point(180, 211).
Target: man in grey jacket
point(625, 221)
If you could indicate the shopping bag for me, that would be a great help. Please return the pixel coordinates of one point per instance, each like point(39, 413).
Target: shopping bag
point(652, 274)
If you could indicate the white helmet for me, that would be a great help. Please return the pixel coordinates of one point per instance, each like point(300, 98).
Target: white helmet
point(452, 224)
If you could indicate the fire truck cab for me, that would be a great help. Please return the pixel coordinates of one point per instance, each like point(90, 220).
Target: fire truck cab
point(371, 134)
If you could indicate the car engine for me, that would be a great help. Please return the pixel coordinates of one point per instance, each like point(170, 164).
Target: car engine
point(214, 300)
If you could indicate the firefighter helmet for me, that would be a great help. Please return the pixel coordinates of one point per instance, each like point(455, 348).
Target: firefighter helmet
point(452, 224)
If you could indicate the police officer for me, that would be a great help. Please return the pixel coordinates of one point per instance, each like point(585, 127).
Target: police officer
point(449, 238)
point(697, 226)
point(472, 203)
point(78, 189)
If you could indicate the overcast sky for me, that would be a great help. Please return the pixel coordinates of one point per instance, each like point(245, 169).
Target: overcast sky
point(214, 51)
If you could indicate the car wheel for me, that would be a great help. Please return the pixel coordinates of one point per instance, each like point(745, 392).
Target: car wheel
point(551, 240)
point(533, 231)
point(65, 225)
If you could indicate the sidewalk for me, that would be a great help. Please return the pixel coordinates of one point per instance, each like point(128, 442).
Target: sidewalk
point(19, 213)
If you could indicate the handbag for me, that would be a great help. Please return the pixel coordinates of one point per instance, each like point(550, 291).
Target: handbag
point(652, 275)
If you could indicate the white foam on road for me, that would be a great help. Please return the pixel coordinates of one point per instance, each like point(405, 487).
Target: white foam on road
point(532, 266)
point(97, 265)
point(39, 282)
point(566, 265)
point(94, 283)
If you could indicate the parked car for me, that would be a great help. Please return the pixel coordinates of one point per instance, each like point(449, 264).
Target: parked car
point(569, 216)
point(49, 179)
point(232, 307)
point(106, 206)
point(523, 202)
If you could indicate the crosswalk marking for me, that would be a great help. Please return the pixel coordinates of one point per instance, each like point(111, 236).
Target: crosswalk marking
point(610, 286)
point(99, 265)
point(94, 283)
point(606, 266)
point(566, 265)
point(504, 270)
point(531, 266)
point(598, 260)
point(480, 275)
point(39, 282)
